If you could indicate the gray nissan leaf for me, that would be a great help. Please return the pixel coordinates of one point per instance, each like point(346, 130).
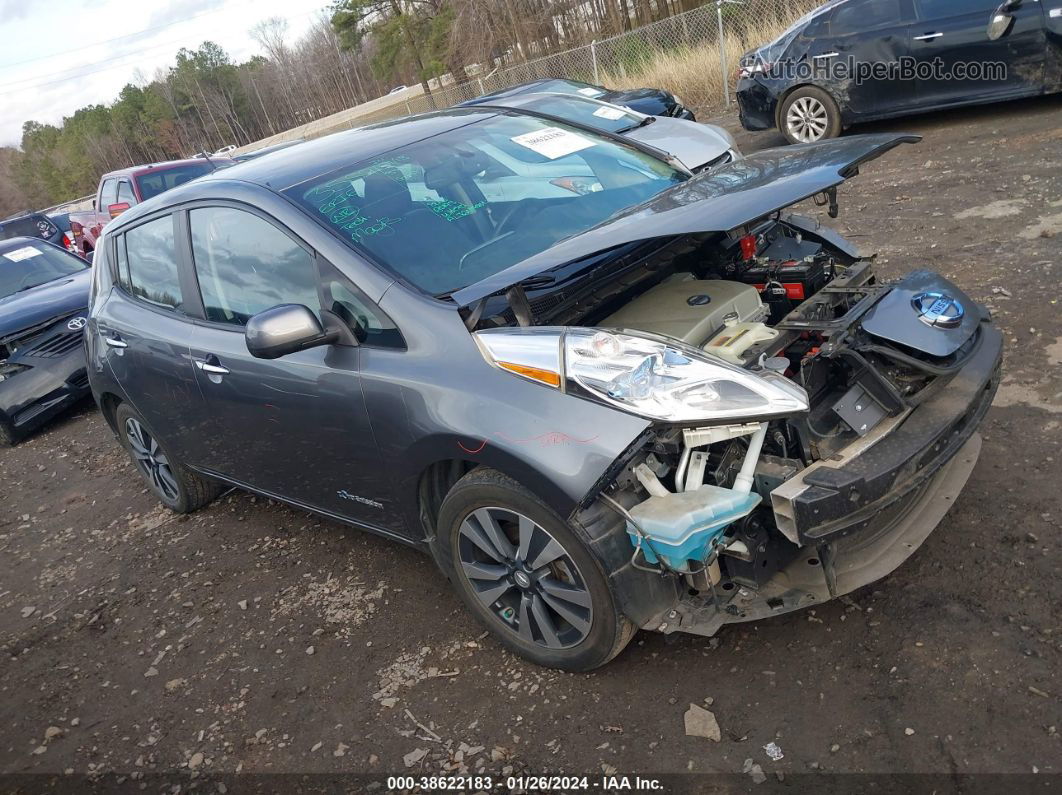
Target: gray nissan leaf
point(664, 402)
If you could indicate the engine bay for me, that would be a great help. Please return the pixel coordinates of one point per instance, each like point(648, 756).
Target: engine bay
point(709, 504)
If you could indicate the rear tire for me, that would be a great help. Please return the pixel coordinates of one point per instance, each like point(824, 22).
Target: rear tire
point(809, 114)
point(7, 438)
point(177, 487)
point(527, 575)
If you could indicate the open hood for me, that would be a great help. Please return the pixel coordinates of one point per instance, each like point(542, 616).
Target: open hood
point(717, 201)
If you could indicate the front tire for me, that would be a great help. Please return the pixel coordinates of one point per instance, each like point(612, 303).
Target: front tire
point(527, 576)
point(177, 487)
point(809, 114)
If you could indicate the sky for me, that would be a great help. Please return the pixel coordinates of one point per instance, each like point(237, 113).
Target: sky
point(61, 55)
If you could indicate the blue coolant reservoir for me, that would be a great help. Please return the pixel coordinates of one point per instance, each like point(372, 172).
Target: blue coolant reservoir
point(681, 527)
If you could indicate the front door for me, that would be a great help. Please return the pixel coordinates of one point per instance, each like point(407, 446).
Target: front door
point(950, 42)
point(297, 426)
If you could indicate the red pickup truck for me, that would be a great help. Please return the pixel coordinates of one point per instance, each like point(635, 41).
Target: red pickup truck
point(120, 190)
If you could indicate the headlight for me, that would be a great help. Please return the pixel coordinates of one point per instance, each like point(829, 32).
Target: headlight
point(645, 375)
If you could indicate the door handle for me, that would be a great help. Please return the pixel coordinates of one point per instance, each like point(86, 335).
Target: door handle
point(826, 55)
point(210, 367)
point(928, 37)
point(116, 342)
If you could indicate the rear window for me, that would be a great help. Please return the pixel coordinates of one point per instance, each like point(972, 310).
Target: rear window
point(599, 115)
point(156, 182)
point(28, 226)
point(570, 87)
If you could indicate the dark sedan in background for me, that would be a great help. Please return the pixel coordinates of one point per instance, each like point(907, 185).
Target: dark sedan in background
point(858, 60)
point(55, 229)
point(43, 302)
point(650, 101)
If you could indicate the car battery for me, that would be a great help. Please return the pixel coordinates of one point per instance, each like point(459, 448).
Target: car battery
point(785, 284)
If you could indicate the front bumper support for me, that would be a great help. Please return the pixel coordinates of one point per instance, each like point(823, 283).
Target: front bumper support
point(833, 569)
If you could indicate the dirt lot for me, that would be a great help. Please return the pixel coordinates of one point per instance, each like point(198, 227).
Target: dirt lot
point(252, 637)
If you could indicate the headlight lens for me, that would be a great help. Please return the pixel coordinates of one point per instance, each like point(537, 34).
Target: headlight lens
point(645, 375)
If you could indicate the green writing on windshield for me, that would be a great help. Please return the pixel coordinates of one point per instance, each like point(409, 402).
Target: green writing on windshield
point(451, 210)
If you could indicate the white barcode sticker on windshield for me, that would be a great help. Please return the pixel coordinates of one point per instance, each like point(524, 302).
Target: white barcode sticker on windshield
point(612, 114)
point(20, 254)
point(591, 92)
point(553, 142)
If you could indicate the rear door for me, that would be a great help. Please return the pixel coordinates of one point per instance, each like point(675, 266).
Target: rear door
point(958, 63)
point(144, 328)
point(850, 48)
point(296, 427)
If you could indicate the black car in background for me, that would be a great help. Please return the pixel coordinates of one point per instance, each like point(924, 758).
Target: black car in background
point(858, 60)
point(43, 303)
point(36, 225)
point(66, 237)
point(650, 101)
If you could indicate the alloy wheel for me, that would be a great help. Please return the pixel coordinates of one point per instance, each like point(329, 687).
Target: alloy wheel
point(807, 119)
point(151, 460)
point(525, 578)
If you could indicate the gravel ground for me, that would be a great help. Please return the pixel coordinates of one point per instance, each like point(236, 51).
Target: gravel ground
point(251, 637)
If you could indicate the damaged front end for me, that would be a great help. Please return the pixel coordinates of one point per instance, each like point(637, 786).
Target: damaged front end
point(810, 424)
point(767, 516)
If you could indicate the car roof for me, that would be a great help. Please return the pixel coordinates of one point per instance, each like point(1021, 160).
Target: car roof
point(295, 164)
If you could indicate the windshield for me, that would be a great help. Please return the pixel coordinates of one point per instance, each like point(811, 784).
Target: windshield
point(23, 267)
point(156, 182)
point(456, 208)
point(583, 110)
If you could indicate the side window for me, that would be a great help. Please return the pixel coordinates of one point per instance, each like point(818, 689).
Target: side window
point(857, 16)
point(152, 263)
point(246, 265)
point(932, 10)
point(125, 193)
point(121, 261)
point(369, 324)
point(108, 194)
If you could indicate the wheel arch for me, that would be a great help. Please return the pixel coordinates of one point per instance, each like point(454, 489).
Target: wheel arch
point(434, 479)
point(784, 96)
point(109, 403)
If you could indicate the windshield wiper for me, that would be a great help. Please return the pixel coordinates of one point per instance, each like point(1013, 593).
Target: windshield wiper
point(643, 123)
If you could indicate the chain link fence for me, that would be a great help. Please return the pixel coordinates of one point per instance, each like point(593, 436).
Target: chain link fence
point(694, 55)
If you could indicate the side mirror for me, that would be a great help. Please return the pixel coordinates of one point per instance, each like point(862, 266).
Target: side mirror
point(114, 210)
point(1001, 21)
point(285, 329)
